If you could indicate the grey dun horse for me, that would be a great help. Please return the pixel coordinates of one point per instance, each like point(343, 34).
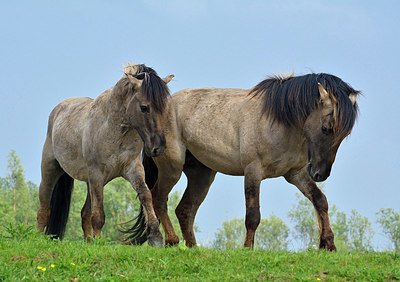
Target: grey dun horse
point(97, 140)
point(285, 126)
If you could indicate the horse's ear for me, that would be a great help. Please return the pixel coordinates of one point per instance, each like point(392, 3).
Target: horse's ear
point(133, 80)
point(323, 93)
point(168, 78)
point(353, 98)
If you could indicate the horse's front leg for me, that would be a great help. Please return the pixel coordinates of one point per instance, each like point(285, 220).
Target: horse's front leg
point(307, 186)
point(135, 175)
point(252, 180)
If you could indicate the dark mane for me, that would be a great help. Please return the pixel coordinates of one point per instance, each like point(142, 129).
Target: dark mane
point(291, 99)
point(153, 87)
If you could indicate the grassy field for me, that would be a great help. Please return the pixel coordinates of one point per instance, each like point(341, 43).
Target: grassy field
point(35, 257)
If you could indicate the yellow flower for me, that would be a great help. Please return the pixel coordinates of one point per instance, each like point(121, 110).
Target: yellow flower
point(44, 269)
point(39, 267)
point(318, 279)
point(52, 265)
point(73, 264)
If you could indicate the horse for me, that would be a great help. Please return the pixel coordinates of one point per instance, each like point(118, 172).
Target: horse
point(288, 126)
point(97, 140)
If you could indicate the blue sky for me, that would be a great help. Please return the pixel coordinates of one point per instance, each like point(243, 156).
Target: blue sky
point(52, 50)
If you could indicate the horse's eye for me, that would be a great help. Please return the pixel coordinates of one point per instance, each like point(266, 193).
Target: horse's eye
point(324, 130)
point(144, 109)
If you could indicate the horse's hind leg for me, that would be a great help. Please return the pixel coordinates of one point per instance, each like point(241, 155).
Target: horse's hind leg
point(51, 172)
point(86, 217)
point(96, 188)
point(200, 179)
point(308, 187)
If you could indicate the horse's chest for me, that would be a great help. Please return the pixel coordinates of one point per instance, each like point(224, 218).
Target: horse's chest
point(277, 163)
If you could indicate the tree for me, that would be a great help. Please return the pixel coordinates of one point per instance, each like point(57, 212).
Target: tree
point(33, 194)
point(352, 233)
point(6, 211)
point(303, 216)
point(389, 220)
point(120, 206)
point(230, 235)
point(173, 201)
point(74, 225)
point(271, 234)
point(340, 229)
point(360, 232)
point(22, 209)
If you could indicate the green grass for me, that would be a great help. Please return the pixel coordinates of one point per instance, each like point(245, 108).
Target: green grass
point(32, 256)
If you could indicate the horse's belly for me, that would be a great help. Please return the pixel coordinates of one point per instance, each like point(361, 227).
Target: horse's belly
point(225, 161)
point(70, 158)
point(214, 145)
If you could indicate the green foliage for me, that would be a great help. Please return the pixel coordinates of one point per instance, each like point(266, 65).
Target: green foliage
point(19, 189)
point(173, 201)
point(389, 220)
point(231, 235)
point(120, 206)
point(340, 228)
point(305, 225)
point(271, 234)
point(18, 231)
point(352, 233)
point(17, 205)
point(37, 258)
point(360, 232)
point(74, 229)
point(6, 207)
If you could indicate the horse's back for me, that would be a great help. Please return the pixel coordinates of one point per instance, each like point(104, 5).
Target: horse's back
point(222, 102)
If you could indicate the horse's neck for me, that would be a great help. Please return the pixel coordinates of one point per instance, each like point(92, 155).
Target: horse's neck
point(111, 107)
point(117, 102)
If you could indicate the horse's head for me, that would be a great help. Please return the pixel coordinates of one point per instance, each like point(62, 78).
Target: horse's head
point(145, 109)
point(325, 128)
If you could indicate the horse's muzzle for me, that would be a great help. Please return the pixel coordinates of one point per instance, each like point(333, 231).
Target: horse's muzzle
point(319, 174)
point(155, 152)
point(157, 146)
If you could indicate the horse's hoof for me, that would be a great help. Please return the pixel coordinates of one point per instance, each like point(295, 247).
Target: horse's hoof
point(156, 240)
point(331, 248)
point(171, 241)
point(326, 245)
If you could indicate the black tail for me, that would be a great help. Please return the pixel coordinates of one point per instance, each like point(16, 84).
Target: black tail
point(138, 233)
point(59, 206)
